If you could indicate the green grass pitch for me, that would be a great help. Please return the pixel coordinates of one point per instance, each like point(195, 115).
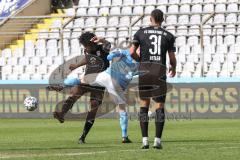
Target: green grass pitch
point(46, 139)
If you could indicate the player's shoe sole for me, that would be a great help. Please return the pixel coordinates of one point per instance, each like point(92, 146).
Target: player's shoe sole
point(145, 147)
point(57, 88)
point(58, 116)
point(126, 140)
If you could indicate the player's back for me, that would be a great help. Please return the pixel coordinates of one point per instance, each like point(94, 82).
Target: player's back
point(154, 43)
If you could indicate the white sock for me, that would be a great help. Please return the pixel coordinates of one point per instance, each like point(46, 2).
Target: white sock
point(145, 141)
point(157, 141)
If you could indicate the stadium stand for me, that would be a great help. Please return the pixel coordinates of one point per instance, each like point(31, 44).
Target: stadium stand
point(39, 52)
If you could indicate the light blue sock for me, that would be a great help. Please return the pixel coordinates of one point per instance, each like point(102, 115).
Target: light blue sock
point(123, 123)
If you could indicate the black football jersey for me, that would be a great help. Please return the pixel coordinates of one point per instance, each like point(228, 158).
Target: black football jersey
point(97, 61)
point(154, 43)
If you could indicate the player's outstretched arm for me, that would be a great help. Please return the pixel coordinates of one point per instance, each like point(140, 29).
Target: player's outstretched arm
point(81, 63)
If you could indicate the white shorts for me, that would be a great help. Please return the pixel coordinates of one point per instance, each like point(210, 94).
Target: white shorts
point(115, 91)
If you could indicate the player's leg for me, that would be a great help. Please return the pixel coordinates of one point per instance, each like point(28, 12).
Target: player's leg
point(143, 118)
point(64, 106)
point(123, 119)
point(159, 120)
point(95, 102)
point(117, 95)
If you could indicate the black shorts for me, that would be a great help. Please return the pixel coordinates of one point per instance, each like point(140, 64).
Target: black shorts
point(152, 83)
point(96, 93)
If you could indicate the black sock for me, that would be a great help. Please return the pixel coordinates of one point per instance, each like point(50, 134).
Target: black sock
point(68, 103)
point(143, 118)
point(159, 122)
point(89, 121)
point(88, 125)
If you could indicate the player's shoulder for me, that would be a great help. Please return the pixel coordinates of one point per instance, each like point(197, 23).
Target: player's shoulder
point(167, 33)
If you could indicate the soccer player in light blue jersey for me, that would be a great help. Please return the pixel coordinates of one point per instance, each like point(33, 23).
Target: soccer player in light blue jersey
point(115, 79)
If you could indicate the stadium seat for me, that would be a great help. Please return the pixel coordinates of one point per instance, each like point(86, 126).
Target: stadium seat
point(173, 1)
point(171, 29)
point(220, 7)
point(163, 8)
point(215, 66)
point(90, 22)
point(183, 19)
point(185, 8)
point(35, 61)
point(207, 30)
point(139, 2)
point(181, 41)
point(138, 10)
point(186, 1)
point(79, 23)
point(83, 3)
point(194, 58)
point(186, 74)
point(47, 61)
point(115, 11)
point(100, 32)
point(70, 12)
point(93, 12)
point(54, 34)
point(105, 2)
point(193, 30)
point(231, 18)
point(195, 19)
point(182, 30)
point(189, 66)
point(229, 40)
point(218, 58)
point(95, 3)
point(184, 50)
point(197, 1)
point(219, 18)
point(196, 8)
point(111, 32)
point(148, 9)
point(116, 2)
point(24, 61)
point(211, 73)
point(163, 2)
point(193, 40)
point(208, 8)
point(128, 2)
point(172, 19)
point(173, 9)
point(102, 21)
point(81, 12)
point(151, 2)
point(104, 11)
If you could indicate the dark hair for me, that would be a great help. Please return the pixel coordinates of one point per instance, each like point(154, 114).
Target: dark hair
point(157, 15)
point(85, 38)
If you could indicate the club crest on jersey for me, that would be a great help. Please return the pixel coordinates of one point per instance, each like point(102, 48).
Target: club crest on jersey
point(93, 60)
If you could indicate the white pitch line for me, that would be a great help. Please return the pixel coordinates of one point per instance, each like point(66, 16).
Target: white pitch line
point(61, 154)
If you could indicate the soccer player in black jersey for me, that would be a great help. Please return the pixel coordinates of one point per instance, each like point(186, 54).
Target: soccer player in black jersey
point(96, 52)
point(154, 42)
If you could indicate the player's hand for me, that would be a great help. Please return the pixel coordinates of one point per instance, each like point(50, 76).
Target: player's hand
point(97, 39)
point(72, 66)
point(172, 71)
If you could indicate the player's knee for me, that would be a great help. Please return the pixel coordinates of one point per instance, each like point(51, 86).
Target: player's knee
point(159, 105)
point(95, 103)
